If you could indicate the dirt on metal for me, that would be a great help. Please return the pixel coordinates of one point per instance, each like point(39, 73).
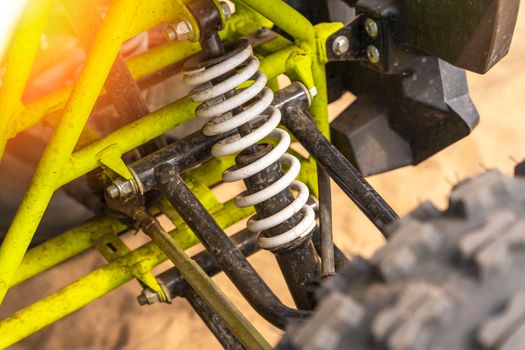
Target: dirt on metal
point(116, 321)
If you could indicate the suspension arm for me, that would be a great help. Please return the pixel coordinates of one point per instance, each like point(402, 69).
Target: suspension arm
point(226, 255)
point(181, 155)
point(339, 168)
point(216, 325)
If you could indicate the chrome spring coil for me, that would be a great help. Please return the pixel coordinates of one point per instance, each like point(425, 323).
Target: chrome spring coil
point(226, 107)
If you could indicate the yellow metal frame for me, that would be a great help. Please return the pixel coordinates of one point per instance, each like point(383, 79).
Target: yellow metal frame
point(304, 60)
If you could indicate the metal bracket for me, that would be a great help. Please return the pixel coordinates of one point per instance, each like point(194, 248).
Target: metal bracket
point(111, 157)
point(361, 40)
point(210, 21)
point(111, 247)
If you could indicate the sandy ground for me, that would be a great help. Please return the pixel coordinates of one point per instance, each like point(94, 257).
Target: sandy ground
point(118, 322)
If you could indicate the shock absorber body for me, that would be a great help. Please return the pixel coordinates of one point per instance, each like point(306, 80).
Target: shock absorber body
point(233, 95)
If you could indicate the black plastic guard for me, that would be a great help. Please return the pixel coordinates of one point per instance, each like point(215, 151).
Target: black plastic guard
point(400, 120)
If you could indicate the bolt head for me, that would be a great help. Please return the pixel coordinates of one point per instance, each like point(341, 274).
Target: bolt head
point(373, 54)
point(371, 28)
point(341, 45)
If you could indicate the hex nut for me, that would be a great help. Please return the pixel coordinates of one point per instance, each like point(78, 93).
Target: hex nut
point(121, 188)
point(179, 31)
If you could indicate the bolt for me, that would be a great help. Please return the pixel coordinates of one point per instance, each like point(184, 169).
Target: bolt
point(113, 191)
point(341, 45)
point(179, 31)
point(121, 188)
point(371, 28)
point(373, 54)
point(148, 297)
point(226, 9)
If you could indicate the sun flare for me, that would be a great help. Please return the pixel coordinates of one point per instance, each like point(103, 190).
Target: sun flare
point(10, 11)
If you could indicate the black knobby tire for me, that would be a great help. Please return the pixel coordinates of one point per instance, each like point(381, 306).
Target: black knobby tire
point(445, 280)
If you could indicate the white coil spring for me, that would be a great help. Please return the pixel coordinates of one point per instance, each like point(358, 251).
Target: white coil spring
point(217, 105)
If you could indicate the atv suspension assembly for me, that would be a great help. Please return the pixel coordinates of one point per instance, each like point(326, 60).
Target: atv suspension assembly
point(235, 89)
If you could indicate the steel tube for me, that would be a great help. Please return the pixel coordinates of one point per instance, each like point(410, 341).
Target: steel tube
point(284, 16)
point(340, 259)
point(129, 137)
point(325, 223)
point(64, 247)
point(80, 293)
point(139, 66)
point(202, 283)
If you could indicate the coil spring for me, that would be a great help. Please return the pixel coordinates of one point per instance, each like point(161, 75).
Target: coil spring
point(226, 107)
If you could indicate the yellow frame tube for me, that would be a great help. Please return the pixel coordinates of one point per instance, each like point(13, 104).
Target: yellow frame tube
point(101, 281)
point(22, 53)
point(64, 247)
point(139, 66)
point(83, 97)
point(304, 32)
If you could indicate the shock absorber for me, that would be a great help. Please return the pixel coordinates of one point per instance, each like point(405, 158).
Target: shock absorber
point(233, 95)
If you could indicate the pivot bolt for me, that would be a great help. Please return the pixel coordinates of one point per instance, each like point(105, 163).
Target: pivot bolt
point(148, 297)
point(179, 31)
point(373, 54)
point(371, 28)
point(121, 188)
point(341, 45)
